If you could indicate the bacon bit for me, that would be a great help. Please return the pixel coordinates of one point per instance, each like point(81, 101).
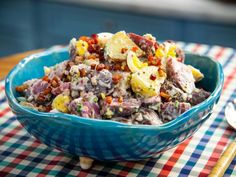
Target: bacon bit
point(101, 58)
point(48, 108)
point(45, 78)
point(165, 95)
point(158, 61)
point(153, 61)
point(108, 99)
point(120, 99)
point(56, 79)
point(134, 49)
point(156, 45)
point(116, 78)
point(54, 83)
point(161, 72)
point(153, 77)
point(21, 88)
point(41, 98)
point(97, 48)
point(47, 91)
point(91, 49)
point(117, 67)
point(123, 50)
point(82, 72)
point(94, 42)
point(95, 38)
point(84, 38)
point(91, 41)
point(92, 56)
point(93, 66)
point(100, 67)
point(150, 58)
point(107, 67)
point(126, 68)
point(101, 54)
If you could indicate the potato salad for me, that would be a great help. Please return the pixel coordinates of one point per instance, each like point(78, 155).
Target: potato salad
point(123, 77)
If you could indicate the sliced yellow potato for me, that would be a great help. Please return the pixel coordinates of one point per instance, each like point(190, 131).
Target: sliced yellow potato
point(134, 63)
point(197, 75)
point(59, 103)
point(114, 46)
point(170, 49)
point(142, 83)
point(81, 47)
point(166, 50)
point(160, 53)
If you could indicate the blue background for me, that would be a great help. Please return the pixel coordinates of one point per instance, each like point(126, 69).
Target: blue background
point(31, 24)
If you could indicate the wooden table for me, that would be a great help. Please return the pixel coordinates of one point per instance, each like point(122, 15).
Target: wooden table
point(8, 62)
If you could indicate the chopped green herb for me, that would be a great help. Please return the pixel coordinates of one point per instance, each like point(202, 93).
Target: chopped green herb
point(176, 104)
point(79, 108)
point(95, 99)
point(103, 95)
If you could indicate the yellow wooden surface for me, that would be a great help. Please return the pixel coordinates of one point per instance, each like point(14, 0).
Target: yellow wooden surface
point(8, 62)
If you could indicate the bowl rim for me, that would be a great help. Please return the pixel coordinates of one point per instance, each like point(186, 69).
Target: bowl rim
point(108, 123)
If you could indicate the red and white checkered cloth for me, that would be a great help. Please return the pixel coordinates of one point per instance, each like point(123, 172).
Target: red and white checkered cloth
point(22, 155)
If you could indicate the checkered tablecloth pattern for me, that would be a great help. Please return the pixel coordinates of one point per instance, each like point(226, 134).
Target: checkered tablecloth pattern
point(23, 155)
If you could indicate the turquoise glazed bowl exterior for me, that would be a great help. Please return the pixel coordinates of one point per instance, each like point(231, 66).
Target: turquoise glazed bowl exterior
point(108, 140)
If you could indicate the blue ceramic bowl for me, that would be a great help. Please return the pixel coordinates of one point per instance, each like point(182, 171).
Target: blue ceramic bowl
point(103, 139)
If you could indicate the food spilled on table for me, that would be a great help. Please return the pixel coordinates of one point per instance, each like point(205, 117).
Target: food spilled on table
point(122, 77)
